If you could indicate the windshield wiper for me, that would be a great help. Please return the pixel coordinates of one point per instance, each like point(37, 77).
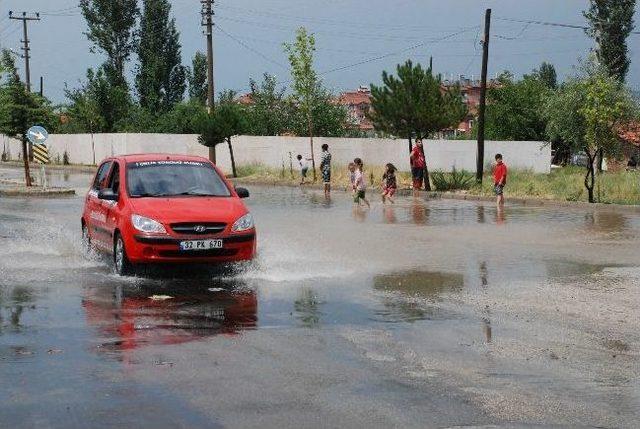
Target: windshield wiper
point(197, 194)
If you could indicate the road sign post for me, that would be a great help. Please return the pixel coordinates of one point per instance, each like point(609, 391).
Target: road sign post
point(37, 135)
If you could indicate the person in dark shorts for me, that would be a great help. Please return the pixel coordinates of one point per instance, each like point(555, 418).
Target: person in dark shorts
point(418, 163)
point(325, 168)
point(303, 164)
point(499, 179)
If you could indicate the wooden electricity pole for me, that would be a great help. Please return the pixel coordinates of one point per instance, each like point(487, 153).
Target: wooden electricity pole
point(483, 97)
point(207, 22)
point(25, 47)
point(27, 56)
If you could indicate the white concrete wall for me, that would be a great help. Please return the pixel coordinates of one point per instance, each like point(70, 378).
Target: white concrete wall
point(274, 151)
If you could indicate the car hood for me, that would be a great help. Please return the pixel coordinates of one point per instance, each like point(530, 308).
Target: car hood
point(190, 209)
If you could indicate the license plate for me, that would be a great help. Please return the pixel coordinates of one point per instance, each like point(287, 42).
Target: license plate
point(201, 244)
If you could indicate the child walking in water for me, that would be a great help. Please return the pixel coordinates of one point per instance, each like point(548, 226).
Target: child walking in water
point(359, 185)
point(389, 183)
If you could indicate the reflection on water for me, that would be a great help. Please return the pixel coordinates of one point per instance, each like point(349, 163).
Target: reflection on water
point(389, 214)
point(413, 295)
point(13, 304)
point(127, 318)
point(307, 307)
point(419, 213)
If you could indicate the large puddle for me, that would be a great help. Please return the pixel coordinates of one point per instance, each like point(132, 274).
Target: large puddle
point(527, 315)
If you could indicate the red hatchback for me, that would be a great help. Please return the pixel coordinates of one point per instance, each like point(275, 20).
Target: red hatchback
point(159, 208)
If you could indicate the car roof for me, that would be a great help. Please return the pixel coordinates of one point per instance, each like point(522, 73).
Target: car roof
point(142, 157)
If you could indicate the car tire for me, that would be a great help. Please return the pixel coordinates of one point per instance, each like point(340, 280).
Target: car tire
point(86, 239)
point(121, 263)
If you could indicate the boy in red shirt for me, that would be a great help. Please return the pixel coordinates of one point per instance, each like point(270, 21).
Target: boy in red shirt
point(499, 179)
point(418, 163)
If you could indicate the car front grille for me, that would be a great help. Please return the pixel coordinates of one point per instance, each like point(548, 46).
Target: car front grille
point(198, 228)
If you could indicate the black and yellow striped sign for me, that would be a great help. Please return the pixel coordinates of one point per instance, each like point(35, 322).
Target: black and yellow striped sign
point(41, 153)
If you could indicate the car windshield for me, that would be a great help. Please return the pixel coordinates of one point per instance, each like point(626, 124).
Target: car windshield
point(174, 178)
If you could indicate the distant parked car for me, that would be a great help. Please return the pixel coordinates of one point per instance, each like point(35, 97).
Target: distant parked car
point(581, 159)
point(169, 209)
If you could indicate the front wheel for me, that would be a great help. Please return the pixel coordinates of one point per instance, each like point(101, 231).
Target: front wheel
point(121, 262)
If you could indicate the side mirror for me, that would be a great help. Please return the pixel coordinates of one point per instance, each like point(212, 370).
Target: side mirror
point(242, 192)
point(107, 195)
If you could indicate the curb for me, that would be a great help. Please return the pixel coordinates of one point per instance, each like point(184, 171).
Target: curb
point(49, 193)
point(70, 168)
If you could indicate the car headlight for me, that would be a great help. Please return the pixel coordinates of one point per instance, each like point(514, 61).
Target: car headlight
point(243, 224)
point(145, 224)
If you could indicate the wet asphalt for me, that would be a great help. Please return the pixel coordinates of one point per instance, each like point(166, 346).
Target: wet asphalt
point(418, 315)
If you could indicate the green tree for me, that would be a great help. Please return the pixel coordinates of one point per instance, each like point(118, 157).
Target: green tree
point(160, 78)
point(547, 75)
point(414, 104)
point(20, 109)
point(111, 30)
point(83, 114)
point(515, 109)
point(227, 120)
point(197, 76)
point(329, 119)
point(109, 104)
point(180, 119)
point(270, 113)
point(306, 85)
point(610, 23)
point(587, 113)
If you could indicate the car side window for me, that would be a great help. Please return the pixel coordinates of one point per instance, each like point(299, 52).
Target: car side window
point(114, 179)
point(101, 175)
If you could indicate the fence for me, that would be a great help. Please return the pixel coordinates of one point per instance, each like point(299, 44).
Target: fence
point(275, 151)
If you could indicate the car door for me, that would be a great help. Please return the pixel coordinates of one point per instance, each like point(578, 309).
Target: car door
point(95, 217)
point(112, 209)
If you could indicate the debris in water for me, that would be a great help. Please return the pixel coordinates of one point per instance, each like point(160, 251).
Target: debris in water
point(54, 351)
point(163, 363)
point(215, 289)
point(160, 297)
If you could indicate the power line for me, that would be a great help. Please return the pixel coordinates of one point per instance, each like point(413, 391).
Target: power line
point(394, 53)
point(551, 24)
point(255, 51)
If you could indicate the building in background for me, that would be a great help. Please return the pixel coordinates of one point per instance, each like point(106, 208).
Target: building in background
point(358, 105)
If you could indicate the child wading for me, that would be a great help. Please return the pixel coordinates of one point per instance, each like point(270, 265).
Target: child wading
point(389, 183)
point(304, 168)
point(359, 184)
point(499, 179)
point(325, 168)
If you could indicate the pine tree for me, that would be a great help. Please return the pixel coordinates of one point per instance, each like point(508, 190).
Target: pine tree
point(161, 77)
point(610, 23)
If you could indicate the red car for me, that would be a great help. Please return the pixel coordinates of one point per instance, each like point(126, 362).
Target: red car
point(160, 208)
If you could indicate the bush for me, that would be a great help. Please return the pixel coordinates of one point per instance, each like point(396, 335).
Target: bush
point(65, 158)
point(454, 181)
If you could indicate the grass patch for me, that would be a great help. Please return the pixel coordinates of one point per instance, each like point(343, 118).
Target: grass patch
point(567, 184)
point(564, 184)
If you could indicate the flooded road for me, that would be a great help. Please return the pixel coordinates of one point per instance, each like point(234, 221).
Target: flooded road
point(422, 314)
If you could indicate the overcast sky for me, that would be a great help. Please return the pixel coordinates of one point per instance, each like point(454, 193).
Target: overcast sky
point(249, 39)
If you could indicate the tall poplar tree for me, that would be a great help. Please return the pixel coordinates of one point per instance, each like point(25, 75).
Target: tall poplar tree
point(198, 78)
point(111, 30)
point(161, 78)
point(610, 23)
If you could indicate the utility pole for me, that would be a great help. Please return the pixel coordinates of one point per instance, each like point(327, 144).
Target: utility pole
point(26, 55)
point(483, 97)
point(41, 86)
point(207, 22)
point(25, 48)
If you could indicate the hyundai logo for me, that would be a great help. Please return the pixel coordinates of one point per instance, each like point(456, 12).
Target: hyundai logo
point(200, 228)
